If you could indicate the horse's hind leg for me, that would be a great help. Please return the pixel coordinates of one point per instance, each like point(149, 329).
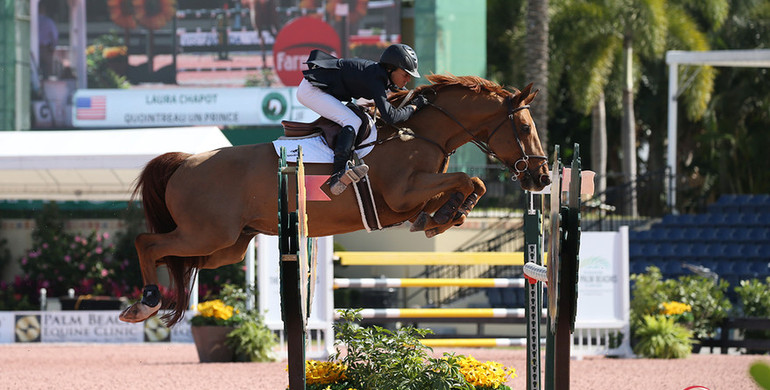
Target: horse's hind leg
point(153, 247)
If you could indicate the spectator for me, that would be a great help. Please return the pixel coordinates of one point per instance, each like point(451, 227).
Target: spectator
point(48, 37)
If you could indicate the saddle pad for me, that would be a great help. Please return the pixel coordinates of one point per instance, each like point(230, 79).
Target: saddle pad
point(315, 149)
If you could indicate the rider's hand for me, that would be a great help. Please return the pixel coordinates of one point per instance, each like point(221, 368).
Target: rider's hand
point(419, 102)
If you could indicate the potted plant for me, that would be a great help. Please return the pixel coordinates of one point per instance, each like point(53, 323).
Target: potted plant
point(224, 330)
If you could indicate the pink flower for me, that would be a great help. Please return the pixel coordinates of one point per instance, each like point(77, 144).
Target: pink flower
point(45, 245)
point(82, 267)
point(104, 272)
point(98, 250)
point(67, 258)
point(106, 236)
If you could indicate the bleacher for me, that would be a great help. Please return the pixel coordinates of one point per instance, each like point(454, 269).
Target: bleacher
point(732, 240)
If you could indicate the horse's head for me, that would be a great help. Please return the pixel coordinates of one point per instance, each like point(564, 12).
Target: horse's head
point(515, 142)
point(493, 118)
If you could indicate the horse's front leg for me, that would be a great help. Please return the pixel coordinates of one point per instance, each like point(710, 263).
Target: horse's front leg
point(454, 212)
point(453, 189)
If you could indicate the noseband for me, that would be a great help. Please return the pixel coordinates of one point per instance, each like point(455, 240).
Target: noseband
point(521, 166)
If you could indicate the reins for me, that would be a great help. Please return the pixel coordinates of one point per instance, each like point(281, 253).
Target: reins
point(521, 166)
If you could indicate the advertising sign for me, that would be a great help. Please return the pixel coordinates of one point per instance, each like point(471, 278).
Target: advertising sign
point(603, 278)
point(94, 108)
point(295, 42)
point(101, 326)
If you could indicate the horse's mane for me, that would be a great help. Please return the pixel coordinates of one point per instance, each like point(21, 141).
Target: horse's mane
point(473, 83)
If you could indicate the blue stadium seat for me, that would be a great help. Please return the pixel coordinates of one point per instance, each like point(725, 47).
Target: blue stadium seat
point(742, 235)
point(635, 250)
point(759, 203)
point(761, 269)
point(725, 267)
point(759, 234)
point(711, 234)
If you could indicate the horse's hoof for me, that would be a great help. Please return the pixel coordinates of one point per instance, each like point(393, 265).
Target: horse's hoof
point(419, 223)
point(138, 312)
point(431, 233)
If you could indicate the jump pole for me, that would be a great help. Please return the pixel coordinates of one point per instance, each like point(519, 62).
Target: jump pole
point(297, 266)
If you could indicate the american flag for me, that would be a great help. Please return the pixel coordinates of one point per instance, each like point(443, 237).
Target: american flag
point(91, 108)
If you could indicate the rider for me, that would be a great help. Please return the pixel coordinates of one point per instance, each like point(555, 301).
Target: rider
point(330, 80)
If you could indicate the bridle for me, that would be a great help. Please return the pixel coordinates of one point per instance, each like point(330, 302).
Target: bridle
point(521, 166)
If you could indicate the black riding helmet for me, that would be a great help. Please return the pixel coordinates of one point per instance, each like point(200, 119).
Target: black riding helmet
point(401, 56)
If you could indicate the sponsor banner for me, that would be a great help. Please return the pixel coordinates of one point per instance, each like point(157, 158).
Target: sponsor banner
point(294, 43)
point(602, 278)
point(87, 326)
point(136, 108)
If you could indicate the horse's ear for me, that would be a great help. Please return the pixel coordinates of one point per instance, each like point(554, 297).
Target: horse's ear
point(525, 95)
point(529, 98)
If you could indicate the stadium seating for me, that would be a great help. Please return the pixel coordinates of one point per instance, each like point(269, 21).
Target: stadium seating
point(732, 239)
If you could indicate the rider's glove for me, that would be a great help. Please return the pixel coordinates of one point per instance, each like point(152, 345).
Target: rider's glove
point(419, 101)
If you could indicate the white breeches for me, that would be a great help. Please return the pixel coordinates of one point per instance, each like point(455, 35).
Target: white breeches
point(326, 105)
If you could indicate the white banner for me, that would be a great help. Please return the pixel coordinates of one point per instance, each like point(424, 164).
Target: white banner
point(136, 108)
point(269, 281)
point(603, 277)
point(101, 326)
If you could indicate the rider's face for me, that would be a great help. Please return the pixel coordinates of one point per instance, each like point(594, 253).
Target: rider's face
point(399, 77)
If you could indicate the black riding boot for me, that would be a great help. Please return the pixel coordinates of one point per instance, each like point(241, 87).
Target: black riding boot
point(343, 150)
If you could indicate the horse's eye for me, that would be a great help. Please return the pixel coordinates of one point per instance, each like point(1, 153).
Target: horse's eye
point(526, 128)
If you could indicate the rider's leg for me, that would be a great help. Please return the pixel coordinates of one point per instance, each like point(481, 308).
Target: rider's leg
point(343, 150)
point(331, 108)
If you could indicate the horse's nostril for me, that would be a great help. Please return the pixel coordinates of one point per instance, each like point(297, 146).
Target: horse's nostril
point(545, 180)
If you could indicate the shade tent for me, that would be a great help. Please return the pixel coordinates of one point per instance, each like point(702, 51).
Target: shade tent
point(90, 165)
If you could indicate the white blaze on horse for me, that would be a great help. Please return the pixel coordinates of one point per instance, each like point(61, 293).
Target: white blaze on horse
point(203, 209)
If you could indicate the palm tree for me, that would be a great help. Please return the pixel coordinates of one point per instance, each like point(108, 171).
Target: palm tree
point(598, 40)
point(536, 68)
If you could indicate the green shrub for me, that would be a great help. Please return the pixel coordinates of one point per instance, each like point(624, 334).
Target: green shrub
point(754, 298)
point(659, 337)
point(705, 296)
point(648, 292)
point(252, 342)
point(755, 302)
point(377, 358)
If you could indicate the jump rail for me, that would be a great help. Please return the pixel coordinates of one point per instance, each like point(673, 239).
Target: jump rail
point(431, 258)
point(437, 282)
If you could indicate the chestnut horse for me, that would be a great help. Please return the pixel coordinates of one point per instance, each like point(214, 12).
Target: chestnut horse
point(203, 209)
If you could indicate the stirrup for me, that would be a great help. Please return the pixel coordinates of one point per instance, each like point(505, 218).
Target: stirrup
point(341, 181)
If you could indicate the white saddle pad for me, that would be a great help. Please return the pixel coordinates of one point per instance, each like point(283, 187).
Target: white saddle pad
point(315, 149)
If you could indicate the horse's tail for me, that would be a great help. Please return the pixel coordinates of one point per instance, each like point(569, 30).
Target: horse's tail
point(152, 185)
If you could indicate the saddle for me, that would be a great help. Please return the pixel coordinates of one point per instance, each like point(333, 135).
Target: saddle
point(329, 128)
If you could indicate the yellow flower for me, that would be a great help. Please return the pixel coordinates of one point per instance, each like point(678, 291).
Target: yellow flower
point(674, 308)
point(317, 372)
point(215, 308)
point(488, 374)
